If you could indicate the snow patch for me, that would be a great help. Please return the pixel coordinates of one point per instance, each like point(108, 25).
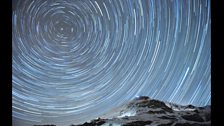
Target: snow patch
point(178, 108)
point(128, 113)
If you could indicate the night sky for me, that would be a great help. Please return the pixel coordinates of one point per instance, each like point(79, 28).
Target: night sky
point(74, 60)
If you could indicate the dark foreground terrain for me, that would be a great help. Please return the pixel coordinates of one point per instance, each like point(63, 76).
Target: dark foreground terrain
point(144, 111)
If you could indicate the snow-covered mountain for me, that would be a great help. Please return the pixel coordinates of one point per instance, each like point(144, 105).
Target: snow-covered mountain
point(143, 111)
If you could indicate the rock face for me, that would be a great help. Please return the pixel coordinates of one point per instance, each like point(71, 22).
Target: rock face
point(144, 111)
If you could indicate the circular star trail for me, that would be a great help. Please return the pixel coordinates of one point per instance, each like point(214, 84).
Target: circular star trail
point(74, 60)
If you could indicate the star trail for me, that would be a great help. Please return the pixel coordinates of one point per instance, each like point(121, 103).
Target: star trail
point(74, 60)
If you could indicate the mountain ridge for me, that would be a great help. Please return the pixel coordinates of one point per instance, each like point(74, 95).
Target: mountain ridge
point(144, 111)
